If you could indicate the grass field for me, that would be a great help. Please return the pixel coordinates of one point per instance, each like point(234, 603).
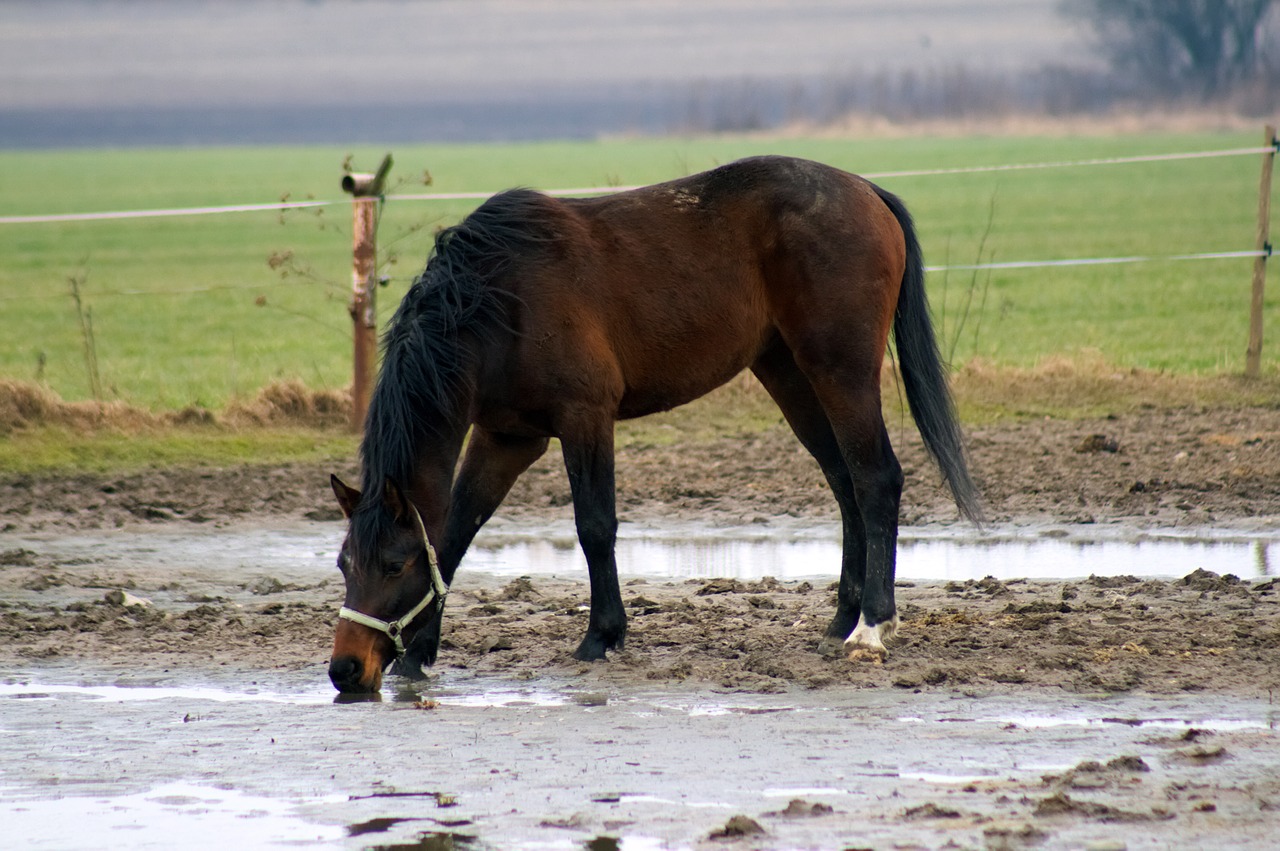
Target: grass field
point(189, 310)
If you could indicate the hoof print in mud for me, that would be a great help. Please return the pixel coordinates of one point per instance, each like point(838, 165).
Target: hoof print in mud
point(866, 653)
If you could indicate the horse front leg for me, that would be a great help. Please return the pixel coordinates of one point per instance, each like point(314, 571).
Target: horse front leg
point(588, 458)
point(491, 465)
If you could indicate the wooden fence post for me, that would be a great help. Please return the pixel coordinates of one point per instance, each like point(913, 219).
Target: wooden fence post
point(366, 192)
point(1253, 355)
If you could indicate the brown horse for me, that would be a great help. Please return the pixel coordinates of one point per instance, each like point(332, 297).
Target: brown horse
point(539, 318)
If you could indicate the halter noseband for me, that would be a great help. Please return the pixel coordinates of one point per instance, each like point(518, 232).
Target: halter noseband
point(435, 594)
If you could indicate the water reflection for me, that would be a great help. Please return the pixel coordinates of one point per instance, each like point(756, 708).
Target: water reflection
point(178, 814)
point(920, 559)
point(303, 557)
point(1261, 557)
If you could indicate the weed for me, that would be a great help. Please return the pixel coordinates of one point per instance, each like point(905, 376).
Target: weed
point(88, 342)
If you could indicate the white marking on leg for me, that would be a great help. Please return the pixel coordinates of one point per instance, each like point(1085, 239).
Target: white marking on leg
point(867, 641)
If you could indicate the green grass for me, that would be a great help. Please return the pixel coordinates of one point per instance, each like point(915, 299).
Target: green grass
point(188, 311)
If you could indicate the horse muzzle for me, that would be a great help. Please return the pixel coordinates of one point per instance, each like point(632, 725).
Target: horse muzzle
point(347, 674)
point(359, 656)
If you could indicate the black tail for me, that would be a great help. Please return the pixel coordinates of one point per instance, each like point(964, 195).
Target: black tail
point(923, 375)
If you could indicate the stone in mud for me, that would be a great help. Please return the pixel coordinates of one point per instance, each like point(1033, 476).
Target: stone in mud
point(519, 589)
point(1128, 763)
point(929, 810)
point(267, 585)
point(1098, 443)
point(125, 599)
point(494, 643)
point(720, 586)
point(738, 827)
point(799, 808)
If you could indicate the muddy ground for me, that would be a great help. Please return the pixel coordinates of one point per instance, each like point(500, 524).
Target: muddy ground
point(1160, 468)
point(1129, 647)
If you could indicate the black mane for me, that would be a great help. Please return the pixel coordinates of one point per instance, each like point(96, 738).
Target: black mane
point(454, 306)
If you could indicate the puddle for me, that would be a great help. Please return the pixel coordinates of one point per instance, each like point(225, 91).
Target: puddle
point(918, 559)
point(802, 791)
point(945, 779)
point(1209, 725)
point(110, 766)
point(123, 694)
point(502, 698)
point(172, 815)
point(790, 551)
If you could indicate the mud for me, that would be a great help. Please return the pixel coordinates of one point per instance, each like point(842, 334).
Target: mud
point(1157, 467)
point(1141, 649)
point(473, 762)
point(1202, 632)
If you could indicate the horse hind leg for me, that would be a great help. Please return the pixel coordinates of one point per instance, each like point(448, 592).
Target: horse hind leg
point(589, 461)
point(877, 486)
point(845, 378)
point(795, 397)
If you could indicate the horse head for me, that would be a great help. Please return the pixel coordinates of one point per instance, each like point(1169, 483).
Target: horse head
point(394, 591)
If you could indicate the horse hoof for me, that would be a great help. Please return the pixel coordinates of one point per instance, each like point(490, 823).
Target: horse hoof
point(831, 645)
point(590, 654)
point(595, 648)
point(866, 643)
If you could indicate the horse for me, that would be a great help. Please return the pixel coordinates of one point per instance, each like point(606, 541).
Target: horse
point(537, 317)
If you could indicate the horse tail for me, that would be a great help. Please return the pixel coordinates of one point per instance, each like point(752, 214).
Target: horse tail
point(924, 375)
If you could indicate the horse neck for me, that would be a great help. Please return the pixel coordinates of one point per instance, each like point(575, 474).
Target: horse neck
point(422, 463)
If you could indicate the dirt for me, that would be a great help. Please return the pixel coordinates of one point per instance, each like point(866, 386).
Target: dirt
point(1203, 632)
point(1185, 468)
point(1181, 467)
point(1125, 649)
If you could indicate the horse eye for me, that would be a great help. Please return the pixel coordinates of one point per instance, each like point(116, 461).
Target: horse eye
point(393, 568)
point(342, 562)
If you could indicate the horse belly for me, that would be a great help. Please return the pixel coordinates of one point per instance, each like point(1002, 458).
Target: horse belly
point(679, 362)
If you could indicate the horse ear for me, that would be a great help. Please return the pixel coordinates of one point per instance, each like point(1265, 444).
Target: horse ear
point(394, 500)
point(348, 497)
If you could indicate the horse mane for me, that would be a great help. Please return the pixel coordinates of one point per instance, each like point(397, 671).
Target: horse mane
point(456, 305)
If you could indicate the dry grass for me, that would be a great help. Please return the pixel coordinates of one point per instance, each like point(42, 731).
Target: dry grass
point(1085, 385)
point(294, 404)
point(25, 406)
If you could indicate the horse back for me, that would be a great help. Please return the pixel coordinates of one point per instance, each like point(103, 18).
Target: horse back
point(653, 297)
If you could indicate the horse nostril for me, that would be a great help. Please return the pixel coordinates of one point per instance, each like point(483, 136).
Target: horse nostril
point(344, 672)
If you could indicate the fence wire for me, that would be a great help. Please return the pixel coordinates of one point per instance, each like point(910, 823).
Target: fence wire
point(602, 190)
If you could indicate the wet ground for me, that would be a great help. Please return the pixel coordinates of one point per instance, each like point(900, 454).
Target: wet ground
point(162, 687)
point(1095, 669)
point(158, 759)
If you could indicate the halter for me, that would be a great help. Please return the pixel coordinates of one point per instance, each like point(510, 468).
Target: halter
point(435, 594)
